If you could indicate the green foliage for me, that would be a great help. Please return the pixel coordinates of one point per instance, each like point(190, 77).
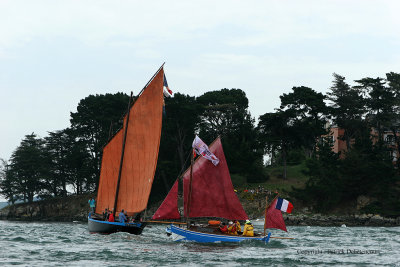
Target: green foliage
point(294, 156)
point(297, 124)
point(238, 180)
point(365, 170)
point(179, 121)
point(97, 118)
point(8, 183)
point(28, 168)
point(322, 189)
point(225, 113)
point(347, 108)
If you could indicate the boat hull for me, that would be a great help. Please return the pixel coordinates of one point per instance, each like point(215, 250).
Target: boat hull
point(104, 227)
point(180, 234)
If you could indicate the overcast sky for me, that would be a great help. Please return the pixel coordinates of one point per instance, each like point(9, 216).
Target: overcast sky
point(55, 53)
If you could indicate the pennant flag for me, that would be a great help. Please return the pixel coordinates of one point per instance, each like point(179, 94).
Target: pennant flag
point(202, 149)
point(274, 218)
point(167, 91)
point(283, 205)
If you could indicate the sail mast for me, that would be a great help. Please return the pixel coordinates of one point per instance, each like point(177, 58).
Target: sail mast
point(122, 155)
point(190, 190)
point(265, 217)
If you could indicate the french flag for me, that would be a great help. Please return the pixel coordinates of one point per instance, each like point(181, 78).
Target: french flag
point(167, 91)
point(283, 205)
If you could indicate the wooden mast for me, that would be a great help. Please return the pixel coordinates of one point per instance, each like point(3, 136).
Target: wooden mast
point(266, 210)
point(122, 155)
point(190, 189)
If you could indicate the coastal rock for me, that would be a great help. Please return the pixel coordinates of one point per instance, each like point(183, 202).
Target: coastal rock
point(363, 201)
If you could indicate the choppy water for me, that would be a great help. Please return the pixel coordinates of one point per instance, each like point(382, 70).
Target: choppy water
point(70, 244)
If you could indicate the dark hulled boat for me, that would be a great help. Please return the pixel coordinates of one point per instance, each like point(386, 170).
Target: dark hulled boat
point(129, 161)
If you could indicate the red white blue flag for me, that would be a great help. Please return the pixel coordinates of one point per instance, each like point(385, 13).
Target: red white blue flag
point(283, 205)
point(202, 149)
point(167, 91)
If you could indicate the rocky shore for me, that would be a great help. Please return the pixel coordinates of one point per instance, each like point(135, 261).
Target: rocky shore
point(339, 220)
point(75, 208)
point(72, 208)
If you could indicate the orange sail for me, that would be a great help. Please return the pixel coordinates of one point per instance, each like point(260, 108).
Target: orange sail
point(140, 153)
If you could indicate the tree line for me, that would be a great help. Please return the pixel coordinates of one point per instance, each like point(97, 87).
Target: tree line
point(70, 158)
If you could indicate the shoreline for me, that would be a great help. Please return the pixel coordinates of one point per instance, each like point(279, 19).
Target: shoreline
point(363, 220)
point(75, 208)
point(355, 220)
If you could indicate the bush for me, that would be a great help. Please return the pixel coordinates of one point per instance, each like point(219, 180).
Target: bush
point(238, 180)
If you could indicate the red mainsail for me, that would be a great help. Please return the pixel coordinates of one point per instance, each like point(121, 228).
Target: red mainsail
point(212, 191)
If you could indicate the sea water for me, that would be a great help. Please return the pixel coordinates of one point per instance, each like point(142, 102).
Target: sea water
point(70, 244)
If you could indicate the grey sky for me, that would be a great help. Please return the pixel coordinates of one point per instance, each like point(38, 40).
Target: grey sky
point(55, 53)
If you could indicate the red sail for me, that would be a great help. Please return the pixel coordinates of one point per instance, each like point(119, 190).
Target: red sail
point(274, 218)
point(212, 190)
point(169, 207)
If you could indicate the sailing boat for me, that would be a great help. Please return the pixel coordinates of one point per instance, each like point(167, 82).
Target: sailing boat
point(207, 192)
point(129, 161)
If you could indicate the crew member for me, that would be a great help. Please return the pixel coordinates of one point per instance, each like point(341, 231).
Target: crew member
point(111, 217)
point(92, 204)
point(122, 217)
point(248, 229)
point(223, 228)
point(232, 230)
point(238, 227)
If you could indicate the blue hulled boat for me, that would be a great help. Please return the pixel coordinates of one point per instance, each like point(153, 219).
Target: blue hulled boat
point(207, 193)
point(181, 234)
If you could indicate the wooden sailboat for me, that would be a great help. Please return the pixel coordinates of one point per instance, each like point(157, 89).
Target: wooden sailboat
point(129, 161)
point(208, 192)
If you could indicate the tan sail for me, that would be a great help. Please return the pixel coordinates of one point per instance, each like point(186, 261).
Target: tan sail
point(140, 156)
point(109, 173)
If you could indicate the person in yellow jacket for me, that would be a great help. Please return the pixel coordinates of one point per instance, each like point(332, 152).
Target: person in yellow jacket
point(232, 230)
point(248, 229)
point(238, 227)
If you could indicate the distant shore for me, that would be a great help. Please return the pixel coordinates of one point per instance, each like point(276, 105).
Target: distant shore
point(340, 220)
point(75, 208)
point(290, 220)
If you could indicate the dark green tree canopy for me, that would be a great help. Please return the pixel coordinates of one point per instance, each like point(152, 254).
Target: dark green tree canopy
point(96, 120)
point(28, 167)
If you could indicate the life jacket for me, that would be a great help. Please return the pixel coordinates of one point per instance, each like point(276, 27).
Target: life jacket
point(223, 229)
point(111, 217)
point(232, 230)
point(238, 227)
point(248, 230)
